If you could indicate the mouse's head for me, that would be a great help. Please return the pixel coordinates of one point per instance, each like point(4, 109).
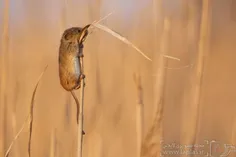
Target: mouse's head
point(76, 34)
point(71, 34)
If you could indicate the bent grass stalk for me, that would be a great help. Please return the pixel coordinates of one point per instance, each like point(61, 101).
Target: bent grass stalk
point(29, 118)
point(126, 41)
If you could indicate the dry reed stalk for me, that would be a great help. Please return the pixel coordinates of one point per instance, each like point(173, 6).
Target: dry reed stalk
point(53, 143)
point(233, 133)
point(17, 136)
point(199, 69)
point(151, 145)
point(32, 112)
point(192, 12)
point(80, 111)
point(28, 119)
point(189, 12)
point(120, 37)
point(14, 121)
point(126, 41)
point(139, 113)
point(3, 59)
point(102, 19)
point(91, 29)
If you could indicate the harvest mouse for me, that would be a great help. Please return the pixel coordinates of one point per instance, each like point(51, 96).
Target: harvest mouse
point(70, 51)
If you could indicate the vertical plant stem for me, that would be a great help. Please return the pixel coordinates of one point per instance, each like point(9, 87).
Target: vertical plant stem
point(160, 80)
point(53, 143)
point(139, 113)
point(199, 68)
point(152, 143)
point(192, 36)
point(139, 125)
point(80, 111)
point(14, 121)
point(3, 73)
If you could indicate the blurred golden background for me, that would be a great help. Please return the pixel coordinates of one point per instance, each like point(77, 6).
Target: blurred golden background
point(185, 101)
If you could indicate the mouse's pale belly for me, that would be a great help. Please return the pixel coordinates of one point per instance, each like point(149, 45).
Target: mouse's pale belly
point(69, 72)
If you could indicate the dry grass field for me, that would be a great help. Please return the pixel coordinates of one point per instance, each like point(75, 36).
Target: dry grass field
point(131, 104)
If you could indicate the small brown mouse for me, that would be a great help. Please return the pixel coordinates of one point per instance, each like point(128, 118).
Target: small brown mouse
point(70, 51)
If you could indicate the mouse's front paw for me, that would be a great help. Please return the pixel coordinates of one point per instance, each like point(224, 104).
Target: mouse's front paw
point(81, 46)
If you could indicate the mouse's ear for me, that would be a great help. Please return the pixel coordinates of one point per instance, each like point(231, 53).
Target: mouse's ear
point(67, 36)
point(83, 34)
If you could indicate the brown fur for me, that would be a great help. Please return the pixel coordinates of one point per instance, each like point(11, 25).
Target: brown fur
point(70, 51)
